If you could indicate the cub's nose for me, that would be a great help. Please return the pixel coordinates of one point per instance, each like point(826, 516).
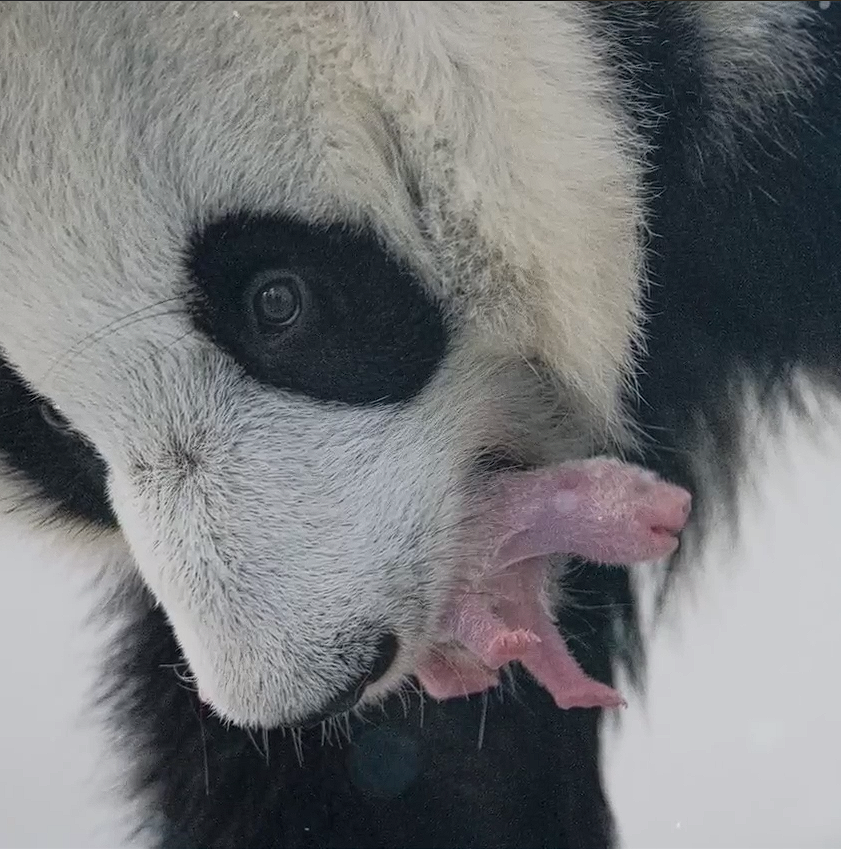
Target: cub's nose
point(383, 655)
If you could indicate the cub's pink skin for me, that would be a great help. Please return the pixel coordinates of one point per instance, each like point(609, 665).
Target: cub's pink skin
point(452, 671)
point(601, 509)
point(604, 510)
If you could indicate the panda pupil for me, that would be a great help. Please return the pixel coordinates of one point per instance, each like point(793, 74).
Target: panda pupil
point(278, 300)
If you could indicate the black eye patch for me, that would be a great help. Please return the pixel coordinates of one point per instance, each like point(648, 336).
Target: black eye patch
point(320, 311)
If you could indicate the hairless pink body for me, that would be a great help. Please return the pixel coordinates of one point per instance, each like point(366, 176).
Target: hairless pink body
point(601, 509)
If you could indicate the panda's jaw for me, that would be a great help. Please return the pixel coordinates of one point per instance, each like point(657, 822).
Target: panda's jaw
point(501, 607)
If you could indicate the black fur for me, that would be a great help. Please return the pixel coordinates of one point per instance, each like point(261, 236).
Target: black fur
point(490, 772)
point(743, 257)
point(367, 332)
point(36, 442)
point(744, 260)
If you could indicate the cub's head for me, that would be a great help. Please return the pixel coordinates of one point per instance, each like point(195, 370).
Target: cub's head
point(281, 286)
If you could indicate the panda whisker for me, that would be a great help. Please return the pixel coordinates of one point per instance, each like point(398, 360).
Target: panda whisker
point(149, 311)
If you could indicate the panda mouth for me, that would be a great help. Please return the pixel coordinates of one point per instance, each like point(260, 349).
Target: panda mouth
point(499, 612)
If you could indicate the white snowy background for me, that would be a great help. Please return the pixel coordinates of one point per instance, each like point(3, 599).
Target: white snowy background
point(737, 745)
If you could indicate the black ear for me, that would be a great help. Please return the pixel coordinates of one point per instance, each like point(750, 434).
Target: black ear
point(36, 441)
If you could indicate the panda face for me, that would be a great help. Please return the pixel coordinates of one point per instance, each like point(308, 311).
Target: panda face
point(296, 495)
point(287, 297)
point(291, 472)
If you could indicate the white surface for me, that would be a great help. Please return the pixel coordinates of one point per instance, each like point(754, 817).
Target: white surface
point(738, 741)
point(56, 783)
point(739, 745)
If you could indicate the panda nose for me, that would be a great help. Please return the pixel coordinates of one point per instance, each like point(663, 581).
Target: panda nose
point(384, 653)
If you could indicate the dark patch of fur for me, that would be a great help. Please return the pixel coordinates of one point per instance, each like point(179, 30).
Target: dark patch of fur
point(742, 255)
point(36, 442)
point(507, 770)
point(743, 259)
point(367, 332)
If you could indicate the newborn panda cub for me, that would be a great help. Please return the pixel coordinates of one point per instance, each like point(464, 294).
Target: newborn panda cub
point(600, 509)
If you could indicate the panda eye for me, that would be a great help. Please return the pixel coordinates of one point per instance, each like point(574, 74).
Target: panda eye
point(278, 299)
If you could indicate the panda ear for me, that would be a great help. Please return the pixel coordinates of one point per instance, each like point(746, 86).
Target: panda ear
point(39, 444)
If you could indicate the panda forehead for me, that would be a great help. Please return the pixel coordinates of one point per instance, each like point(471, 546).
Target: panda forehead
point(291, 111)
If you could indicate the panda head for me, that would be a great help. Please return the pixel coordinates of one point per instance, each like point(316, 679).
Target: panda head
point(289, 299)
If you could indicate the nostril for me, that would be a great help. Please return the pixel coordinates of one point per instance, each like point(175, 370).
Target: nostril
point(385, 651)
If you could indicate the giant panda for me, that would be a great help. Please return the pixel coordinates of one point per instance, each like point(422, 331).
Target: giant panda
point(284, 285)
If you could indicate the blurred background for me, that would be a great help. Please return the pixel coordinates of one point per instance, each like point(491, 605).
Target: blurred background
point(737, 743)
